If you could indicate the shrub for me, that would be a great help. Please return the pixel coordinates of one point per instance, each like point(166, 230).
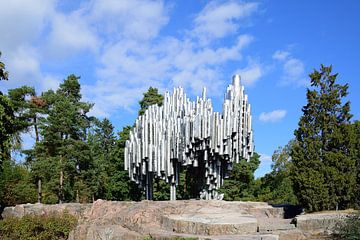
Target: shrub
point(31, 227)
point(349, 229)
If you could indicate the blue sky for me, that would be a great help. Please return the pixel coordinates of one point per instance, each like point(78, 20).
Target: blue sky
point(120, 48)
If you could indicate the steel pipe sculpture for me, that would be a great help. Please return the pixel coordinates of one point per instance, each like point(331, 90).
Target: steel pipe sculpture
point(190, 134)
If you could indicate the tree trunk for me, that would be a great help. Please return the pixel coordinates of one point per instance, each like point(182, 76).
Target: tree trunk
point(61, 190)
point(36, 130)
point(39, 191)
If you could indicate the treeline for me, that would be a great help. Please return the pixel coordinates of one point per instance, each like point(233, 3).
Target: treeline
point(75, 157)
point(79, 158)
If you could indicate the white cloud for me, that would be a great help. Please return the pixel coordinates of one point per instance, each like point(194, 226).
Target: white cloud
point(218, 20)
point(250, 74)
point(293, 69)
point(129, 67)
point(70, 33)
point(24, 69)
point(136, 19)
point(22, 21)
point(281, 55)
point(123, 37)
point(273, 116)
point(294, 72)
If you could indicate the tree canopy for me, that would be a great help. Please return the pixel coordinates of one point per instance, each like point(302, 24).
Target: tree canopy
point(323, 170)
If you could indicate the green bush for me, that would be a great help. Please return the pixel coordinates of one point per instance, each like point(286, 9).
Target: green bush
point(45, 227)
point(349, 229)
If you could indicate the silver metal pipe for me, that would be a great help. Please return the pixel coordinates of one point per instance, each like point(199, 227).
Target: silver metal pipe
point(190, 133)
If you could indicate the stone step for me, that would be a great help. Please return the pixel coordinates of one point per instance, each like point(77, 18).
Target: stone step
point(210, 224)
point(255, 236)
point(274, 224)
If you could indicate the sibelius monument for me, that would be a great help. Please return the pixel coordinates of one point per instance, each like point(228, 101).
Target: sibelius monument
point(184, 133)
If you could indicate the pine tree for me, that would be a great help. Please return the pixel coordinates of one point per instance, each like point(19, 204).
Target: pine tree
point(24, 112)
point(7, 120)
point(15, 183)
point(151, 97)
point(323, 168)
point(101, 140)
point(120, 187)
point(356, 152)
point(62, 157)
point(7, 127)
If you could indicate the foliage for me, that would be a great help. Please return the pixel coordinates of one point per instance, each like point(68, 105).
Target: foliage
point(276, 186)
point(62, 150)
point(120, 186)
point(151, 97)
point(323, 170)
point(4, 75)
point(15, 185)
point(161, 190)
point(349, 229)
point(240, 184)
point(7, 120)
point(45, 227)
point(356, 148)
point(7, 127)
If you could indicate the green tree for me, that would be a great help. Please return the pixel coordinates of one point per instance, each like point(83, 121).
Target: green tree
point(276, 187)
point(7, 127)
point(151, 97)
point(24, 112)
point(356, 152)
point(101, 140)
point(120, 187)
point(240, 184)
point(62, 157)
point(4, 75)
point(16, 186)
point(323, 168)
point(7, 120)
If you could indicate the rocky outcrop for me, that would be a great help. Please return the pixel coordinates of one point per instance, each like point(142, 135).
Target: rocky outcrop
point(320, 221)
point(75, 209)
point(170, 219)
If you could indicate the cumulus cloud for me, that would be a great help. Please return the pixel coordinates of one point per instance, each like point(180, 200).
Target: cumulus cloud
point(293, 69)
point(251, 73)
point(24, 69)
point(136, 19)
point(123, 38)
point(21, 22)
point(133, 63)
point(281, 55)
point(70, 33)
point(273, 116)
point(218, 20)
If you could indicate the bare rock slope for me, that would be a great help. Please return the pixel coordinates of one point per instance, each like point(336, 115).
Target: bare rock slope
point(171, 219)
